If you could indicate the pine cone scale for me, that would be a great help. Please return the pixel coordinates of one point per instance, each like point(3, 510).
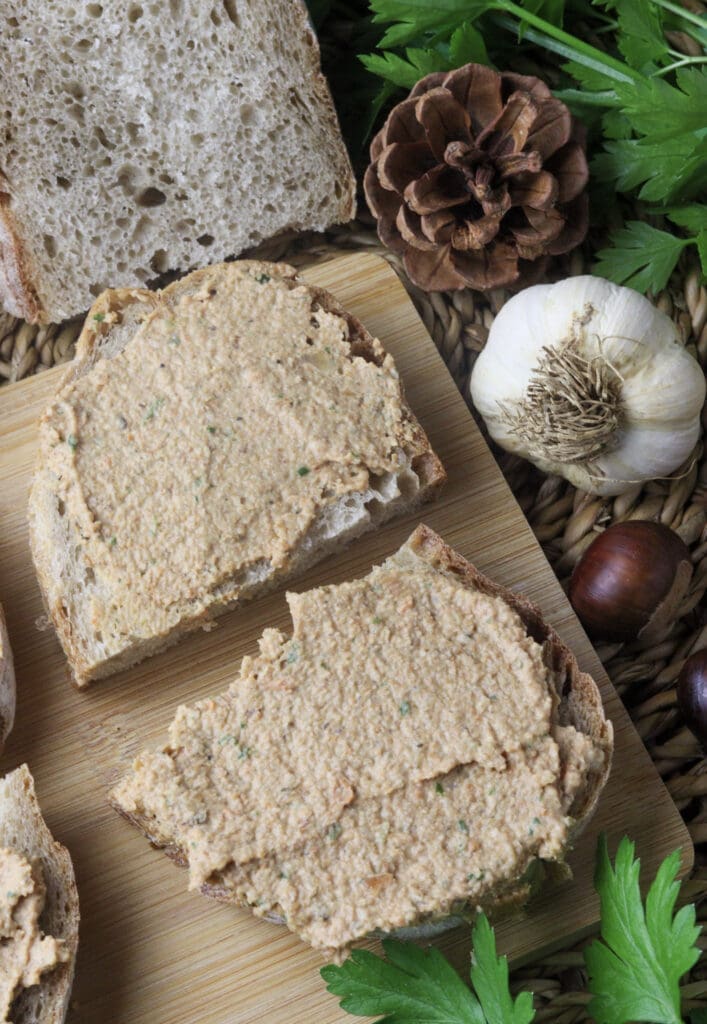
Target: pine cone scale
point(552, 129)
point(433, 271)
point(439, 189)
point(569, 168)
point(410, 227)
point(476, 178)
point(402, 163)
point(508, 133)
point(478, 90)
point(539, 191)
point(442, 119)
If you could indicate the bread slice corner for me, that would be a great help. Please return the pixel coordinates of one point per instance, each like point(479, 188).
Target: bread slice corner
point(23, 829)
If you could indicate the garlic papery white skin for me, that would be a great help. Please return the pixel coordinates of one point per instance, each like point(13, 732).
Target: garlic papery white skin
point(589, 381)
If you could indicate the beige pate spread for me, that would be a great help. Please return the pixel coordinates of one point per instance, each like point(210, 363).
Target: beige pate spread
point(211, 443)
point(25, 952)
point(398, 754)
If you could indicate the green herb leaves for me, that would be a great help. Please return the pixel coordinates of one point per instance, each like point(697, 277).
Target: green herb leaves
point(634, 969)
point(416, 986)
point(634, 972)
point(641, 257)
point(489, 976)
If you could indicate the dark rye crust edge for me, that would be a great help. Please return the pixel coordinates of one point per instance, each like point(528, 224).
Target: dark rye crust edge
point(580, 706)
point(424, 461)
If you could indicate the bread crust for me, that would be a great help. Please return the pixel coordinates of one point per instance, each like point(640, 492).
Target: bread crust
point(95, 337)
point(7, 683)
point(17, 291)
point(22, 828)
point(580, 705)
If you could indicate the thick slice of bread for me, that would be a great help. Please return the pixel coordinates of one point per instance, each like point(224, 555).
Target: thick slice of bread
point(7, 683)
point(146, 136)
point(417, 749)
point(208, 442)
point(22, 829)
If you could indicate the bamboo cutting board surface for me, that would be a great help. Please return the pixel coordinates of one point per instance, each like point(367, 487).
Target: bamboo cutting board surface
point(152, 953)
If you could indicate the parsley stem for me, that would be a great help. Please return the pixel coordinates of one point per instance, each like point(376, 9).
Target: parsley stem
point(606, 98)
point(683, 62)
point(681, 12)
point(565, 44)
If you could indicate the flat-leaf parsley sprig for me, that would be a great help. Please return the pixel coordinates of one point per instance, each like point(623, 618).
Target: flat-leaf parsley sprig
point(634, 969)
point(419, 986)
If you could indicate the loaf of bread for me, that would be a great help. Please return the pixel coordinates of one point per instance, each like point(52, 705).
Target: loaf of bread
point(410, 753)
point(208, 442)
point(39, 910)
point(143, 136)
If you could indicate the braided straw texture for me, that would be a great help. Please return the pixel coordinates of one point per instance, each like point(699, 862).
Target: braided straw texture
point(565, 520)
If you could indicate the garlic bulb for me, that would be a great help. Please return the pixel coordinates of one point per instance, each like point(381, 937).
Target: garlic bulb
point(590, 381)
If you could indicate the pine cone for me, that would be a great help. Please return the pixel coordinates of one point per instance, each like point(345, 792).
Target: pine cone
point(477, 178)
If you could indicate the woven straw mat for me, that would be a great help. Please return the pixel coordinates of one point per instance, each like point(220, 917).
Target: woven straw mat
point(565, 520)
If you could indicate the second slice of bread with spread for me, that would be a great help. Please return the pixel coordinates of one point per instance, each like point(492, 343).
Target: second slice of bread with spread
point(410, 752)
point(210, 441)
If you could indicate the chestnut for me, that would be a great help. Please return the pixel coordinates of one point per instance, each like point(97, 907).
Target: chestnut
point(630, 581)
point(692, 694)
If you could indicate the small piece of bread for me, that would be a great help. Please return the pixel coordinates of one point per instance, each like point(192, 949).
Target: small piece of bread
point(22, 829)
point(7, 683)
point(417, 748)
point(208, 442)
point(145, 137)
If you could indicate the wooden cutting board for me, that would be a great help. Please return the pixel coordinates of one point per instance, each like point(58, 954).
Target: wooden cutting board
point(152, 953)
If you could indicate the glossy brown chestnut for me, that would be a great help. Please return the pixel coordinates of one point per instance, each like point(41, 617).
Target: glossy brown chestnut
point(692, 694)
point(630, 581)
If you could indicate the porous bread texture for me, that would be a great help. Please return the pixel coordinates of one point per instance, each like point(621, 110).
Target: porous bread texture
point(7, 683)
point(66, 575)
point(578, 704)
point(141, 136)
point(22, 828)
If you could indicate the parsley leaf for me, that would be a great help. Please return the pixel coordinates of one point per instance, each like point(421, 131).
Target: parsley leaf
point(640, 256)
point(639, 33)
point(666, 111)
point(664, 171)
point(467, 46)
point(418, 986)
point(412, 984)
point(634, 973)
point(404, 72)
point(692, 217)
point(412, 18)
point(489, 976)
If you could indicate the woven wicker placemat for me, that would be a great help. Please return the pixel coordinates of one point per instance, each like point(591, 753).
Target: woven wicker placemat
point(564, 520)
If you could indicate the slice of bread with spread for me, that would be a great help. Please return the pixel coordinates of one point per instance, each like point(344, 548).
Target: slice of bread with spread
point(146, 137)
point(210, 441)
point(7, 683)
point(39, 910)
point(410, 753)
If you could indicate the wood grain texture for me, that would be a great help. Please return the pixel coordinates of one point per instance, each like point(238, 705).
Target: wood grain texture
point(152, 953)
